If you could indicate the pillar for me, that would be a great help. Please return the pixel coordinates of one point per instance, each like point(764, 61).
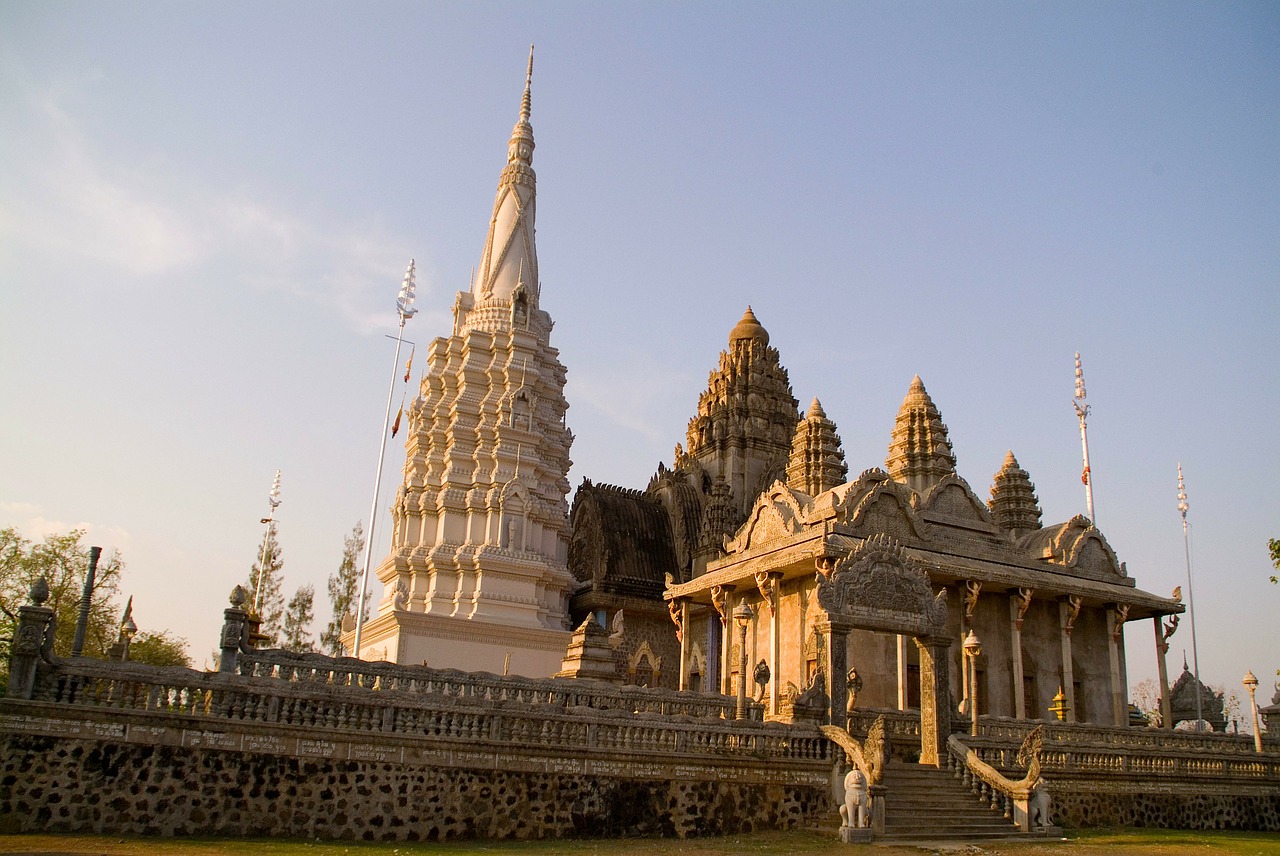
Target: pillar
point(835, 637)
point(686, 649)
point(935, 699)
point(1119, 703)
point(775, 640)
point(902, 672)
point(1015, 657)
point(29, 639)
point(1162, 648)
point(1068, 677)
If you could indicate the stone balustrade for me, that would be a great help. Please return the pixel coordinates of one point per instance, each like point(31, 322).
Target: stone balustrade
point(441, 705)
point(317, 669)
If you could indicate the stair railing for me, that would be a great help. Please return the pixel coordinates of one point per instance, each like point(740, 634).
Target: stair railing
point(1025, 802)
point(870, 757)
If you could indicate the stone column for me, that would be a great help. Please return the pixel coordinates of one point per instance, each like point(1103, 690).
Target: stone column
point(1067, 621)
point(1162, 648)
point(29, 637)
point(902, 672)
point(1015, 657)
point(775, 640)
point(935, 699)
point(235, 631)
point(1115, 635)
point(686, 650)
point(835, 636)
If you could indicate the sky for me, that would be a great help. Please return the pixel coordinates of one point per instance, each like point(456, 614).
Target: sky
point(206, 210)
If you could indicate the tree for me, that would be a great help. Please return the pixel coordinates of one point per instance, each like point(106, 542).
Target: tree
point(1146, 696)
point(343, 585)
point(298, 616)
point(1274, 546)
point(159, 649)
point(64, 563)
point(269, 599)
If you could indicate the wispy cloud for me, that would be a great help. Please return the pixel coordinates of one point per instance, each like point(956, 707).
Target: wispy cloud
point(30, 522)
point(79, 205)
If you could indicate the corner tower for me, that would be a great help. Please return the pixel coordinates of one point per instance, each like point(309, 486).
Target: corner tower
point(477, 576)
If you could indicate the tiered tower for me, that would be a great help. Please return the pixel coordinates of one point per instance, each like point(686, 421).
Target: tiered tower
point(746, 417)
point(477, 576)
point(920, 453)
point(1013, 500)
point(817, 461)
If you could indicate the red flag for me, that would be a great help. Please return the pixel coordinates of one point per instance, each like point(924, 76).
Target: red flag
point(1084, 476)
point(407, 367)
point(395, 426)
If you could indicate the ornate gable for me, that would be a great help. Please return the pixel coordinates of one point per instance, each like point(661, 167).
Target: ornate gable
point(875, 503)
point(878, 587)
point(1079, 547)
point(777, 514)
point(952, 497)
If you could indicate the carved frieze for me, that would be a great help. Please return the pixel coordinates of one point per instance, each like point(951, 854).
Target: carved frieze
point(877, 586)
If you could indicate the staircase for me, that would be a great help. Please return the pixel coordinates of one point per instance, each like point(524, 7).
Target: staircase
point(928, 804)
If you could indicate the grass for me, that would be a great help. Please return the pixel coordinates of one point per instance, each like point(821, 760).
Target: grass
point(1088, 842)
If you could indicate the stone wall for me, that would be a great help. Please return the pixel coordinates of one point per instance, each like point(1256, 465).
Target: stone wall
point(61, 784)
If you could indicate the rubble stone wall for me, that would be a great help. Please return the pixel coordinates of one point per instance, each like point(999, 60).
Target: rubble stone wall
point(1185, 808)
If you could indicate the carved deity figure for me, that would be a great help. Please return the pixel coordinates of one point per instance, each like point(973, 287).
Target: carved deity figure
point(857, 804)
point(761, 676)
point(854, 686)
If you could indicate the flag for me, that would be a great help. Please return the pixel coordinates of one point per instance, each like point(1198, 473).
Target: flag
point(1084, 476)
point(395, 426)
point(409, 365)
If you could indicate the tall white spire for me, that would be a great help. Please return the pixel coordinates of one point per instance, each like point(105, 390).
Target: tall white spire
point(510, 257)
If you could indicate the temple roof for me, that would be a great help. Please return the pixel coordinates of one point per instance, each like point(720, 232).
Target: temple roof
point(622, 541)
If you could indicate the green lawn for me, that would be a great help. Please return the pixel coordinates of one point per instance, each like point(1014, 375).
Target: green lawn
point(805, 843)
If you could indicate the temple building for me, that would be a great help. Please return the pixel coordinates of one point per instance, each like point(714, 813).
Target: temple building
point(476, 578)
point(752, 555)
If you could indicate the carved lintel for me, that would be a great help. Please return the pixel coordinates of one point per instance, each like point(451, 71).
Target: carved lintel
point(675, 607)
point(720, 600)
point(1122, 615)
point(1023, 599)
point(767, 583)
point(1074, 602)
point(972, 588)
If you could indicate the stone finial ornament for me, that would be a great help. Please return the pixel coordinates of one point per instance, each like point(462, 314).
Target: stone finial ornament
point(920, 453)
point(39, 591)
point(1013, 502)
point(239, 597)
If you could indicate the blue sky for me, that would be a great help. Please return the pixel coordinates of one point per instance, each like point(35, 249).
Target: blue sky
point(206, 209)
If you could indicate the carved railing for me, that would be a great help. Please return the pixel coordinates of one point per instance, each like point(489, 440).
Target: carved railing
point(389, 710)
point(1002, 794)
point(319, 670)
point(1072, 749)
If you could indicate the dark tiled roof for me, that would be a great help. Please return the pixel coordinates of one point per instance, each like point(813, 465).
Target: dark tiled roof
point(621, 541)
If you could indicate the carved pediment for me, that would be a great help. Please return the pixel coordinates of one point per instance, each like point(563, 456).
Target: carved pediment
point(1077, 546)
point(952, 497)
point(878, 587)
point(875, 505)
point(777, 514)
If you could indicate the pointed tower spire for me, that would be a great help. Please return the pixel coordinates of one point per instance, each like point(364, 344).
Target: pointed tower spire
point(1013, 500)
point(509, 251)
point(920, 453)
point(817, 461)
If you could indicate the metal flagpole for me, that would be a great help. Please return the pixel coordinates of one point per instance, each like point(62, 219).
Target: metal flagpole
point(404, 307)
point(1082, 410)
point(274, 499)
point(1191, 598)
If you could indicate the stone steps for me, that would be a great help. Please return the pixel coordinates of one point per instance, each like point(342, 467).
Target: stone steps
point(927, 804)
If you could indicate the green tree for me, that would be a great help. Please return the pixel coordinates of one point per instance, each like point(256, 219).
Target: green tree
point(159, 649)
point(64, 562)
point(298, 616)
point(1274, 546)
point(267, 586)
point(343, 585)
